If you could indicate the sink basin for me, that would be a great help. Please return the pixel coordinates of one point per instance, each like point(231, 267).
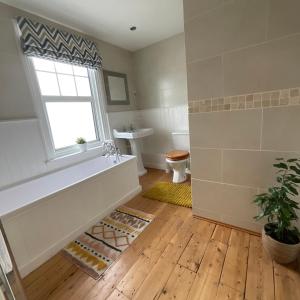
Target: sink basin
point(139, 133)
point(133, 137)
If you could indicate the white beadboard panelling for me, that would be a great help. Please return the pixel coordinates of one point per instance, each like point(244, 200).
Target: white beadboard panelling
point(164, 121)
point(22, 154)
point(119, 120)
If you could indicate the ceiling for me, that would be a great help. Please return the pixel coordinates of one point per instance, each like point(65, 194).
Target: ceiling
point(109, 20)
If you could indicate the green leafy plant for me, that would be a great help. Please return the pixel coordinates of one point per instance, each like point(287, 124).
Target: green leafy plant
point(278, 206)
point(80, 141)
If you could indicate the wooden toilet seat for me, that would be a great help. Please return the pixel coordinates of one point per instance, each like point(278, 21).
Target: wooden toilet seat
point(177, 155)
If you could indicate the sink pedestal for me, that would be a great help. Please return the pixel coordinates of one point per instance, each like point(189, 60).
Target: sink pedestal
point(136, 151)
point(134, 139)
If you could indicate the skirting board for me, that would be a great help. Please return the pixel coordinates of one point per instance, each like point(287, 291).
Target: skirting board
point(54, 249)
point(253, 228)
point(154, 165)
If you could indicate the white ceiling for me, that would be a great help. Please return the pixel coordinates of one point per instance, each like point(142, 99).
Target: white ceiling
point(109, 20)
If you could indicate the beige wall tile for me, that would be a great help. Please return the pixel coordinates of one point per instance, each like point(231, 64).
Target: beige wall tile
point(261, 68)
point(205, 79)
point(283, 18)
point(234, 130)
point(281, 128)
point(237, 48)
point(160, 72)
point(251, 168)
point(204, 36)
point(225, 200)
point(206, 213)
point(237, 24)
point(244, 23)
point(236, 221)
point(174, 96)
point(15, 97)
point(193, 8)
point(206, 164)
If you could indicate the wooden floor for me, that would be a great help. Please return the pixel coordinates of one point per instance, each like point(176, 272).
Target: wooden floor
point(176, 257)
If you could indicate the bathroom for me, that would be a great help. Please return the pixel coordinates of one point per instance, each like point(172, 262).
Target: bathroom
point(218, 82)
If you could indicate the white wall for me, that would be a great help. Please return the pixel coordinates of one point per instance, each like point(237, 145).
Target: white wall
point(22, 152)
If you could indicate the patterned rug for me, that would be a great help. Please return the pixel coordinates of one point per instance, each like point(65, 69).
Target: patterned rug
point(174, 193)
point(96, 249)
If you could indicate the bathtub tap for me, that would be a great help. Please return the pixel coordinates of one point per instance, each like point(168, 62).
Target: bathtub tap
point(110, 149)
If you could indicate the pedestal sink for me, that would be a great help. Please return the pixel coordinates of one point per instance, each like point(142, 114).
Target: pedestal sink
point(134, 137)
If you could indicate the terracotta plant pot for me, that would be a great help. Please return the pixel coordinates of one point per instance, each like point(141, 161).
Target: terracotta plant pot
point(280, 252)
point(82, 147)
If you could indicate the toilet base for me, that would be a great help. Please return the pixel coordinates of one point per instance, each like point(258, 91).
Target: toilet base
point(178, 168)
point(179, 177)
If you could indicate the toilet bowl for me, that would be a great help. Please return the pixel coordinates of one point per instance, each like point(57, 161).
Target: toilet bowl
point(177, 161)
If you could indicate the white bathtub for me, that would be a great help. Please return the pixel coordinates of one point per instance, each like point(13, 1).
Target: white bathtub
point(42, 215)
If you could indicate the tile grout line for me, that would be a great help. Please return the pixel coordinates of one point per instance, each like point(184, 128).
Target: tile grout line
point(240, 149)
point(194, 61)
point(261, 128)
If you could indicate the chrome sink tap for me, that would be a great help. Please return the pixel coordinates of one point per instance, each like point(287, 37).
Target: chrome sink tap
point(110, 149)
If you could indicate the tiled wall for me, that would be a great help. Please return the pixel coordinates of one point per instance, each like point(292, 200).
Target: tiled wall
point(283, 97)
point(160, 72)
point(243, 67)
point(161, 81)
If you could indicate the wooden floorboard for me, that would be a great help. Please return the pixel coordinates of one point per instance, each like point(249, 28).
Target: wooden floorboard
point(176, 257)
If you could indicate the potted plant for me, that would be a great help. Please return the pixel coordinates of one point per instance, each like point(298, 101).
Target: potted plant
point(280, 236)
point(81, 142)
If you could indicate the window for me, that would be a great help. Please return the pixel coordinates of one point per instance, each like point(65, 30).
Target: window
point(69, 100)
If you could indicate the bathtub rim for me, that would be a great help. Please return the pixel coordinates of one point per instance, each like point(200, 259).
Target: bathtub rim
point(17, 209)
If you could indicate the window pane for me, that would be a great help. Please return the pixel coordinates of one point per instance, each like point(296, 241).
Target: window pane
point(43, 64)
point(81, 71)
point(48, 83)
point(63, 68)
point(83, 86)
point(67, 85)
point(70, 120)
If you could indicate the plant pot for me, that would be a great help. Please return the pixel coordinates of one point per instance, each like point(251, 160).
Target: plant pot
point(280, 252)
point(82, 147)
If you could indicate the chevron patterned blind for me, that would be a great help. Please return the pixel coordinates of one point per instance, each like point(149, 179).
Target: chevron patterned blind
point(48, 42)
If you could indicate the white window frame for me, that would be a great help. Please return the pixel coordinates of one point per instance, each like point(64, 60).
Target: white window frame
point(96, 99)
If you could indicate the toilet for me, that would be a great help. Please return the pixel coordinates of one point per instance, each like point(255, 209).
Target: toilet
point(177, 160)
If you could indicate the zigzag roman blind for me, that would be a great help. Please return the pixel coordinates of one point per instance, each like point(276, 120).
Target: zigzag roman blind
point(48, 42)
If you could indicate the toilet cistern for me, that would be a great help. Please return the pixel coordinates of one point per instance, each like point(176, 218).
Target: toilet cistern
point(134, 140)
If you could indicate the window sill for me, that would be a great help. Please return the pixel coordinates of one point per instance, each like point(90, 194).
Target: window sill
point(74, 157)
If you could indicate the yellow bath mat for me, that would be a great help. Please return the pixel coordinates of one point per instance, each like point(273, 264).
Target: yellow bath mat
point(174, 193)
